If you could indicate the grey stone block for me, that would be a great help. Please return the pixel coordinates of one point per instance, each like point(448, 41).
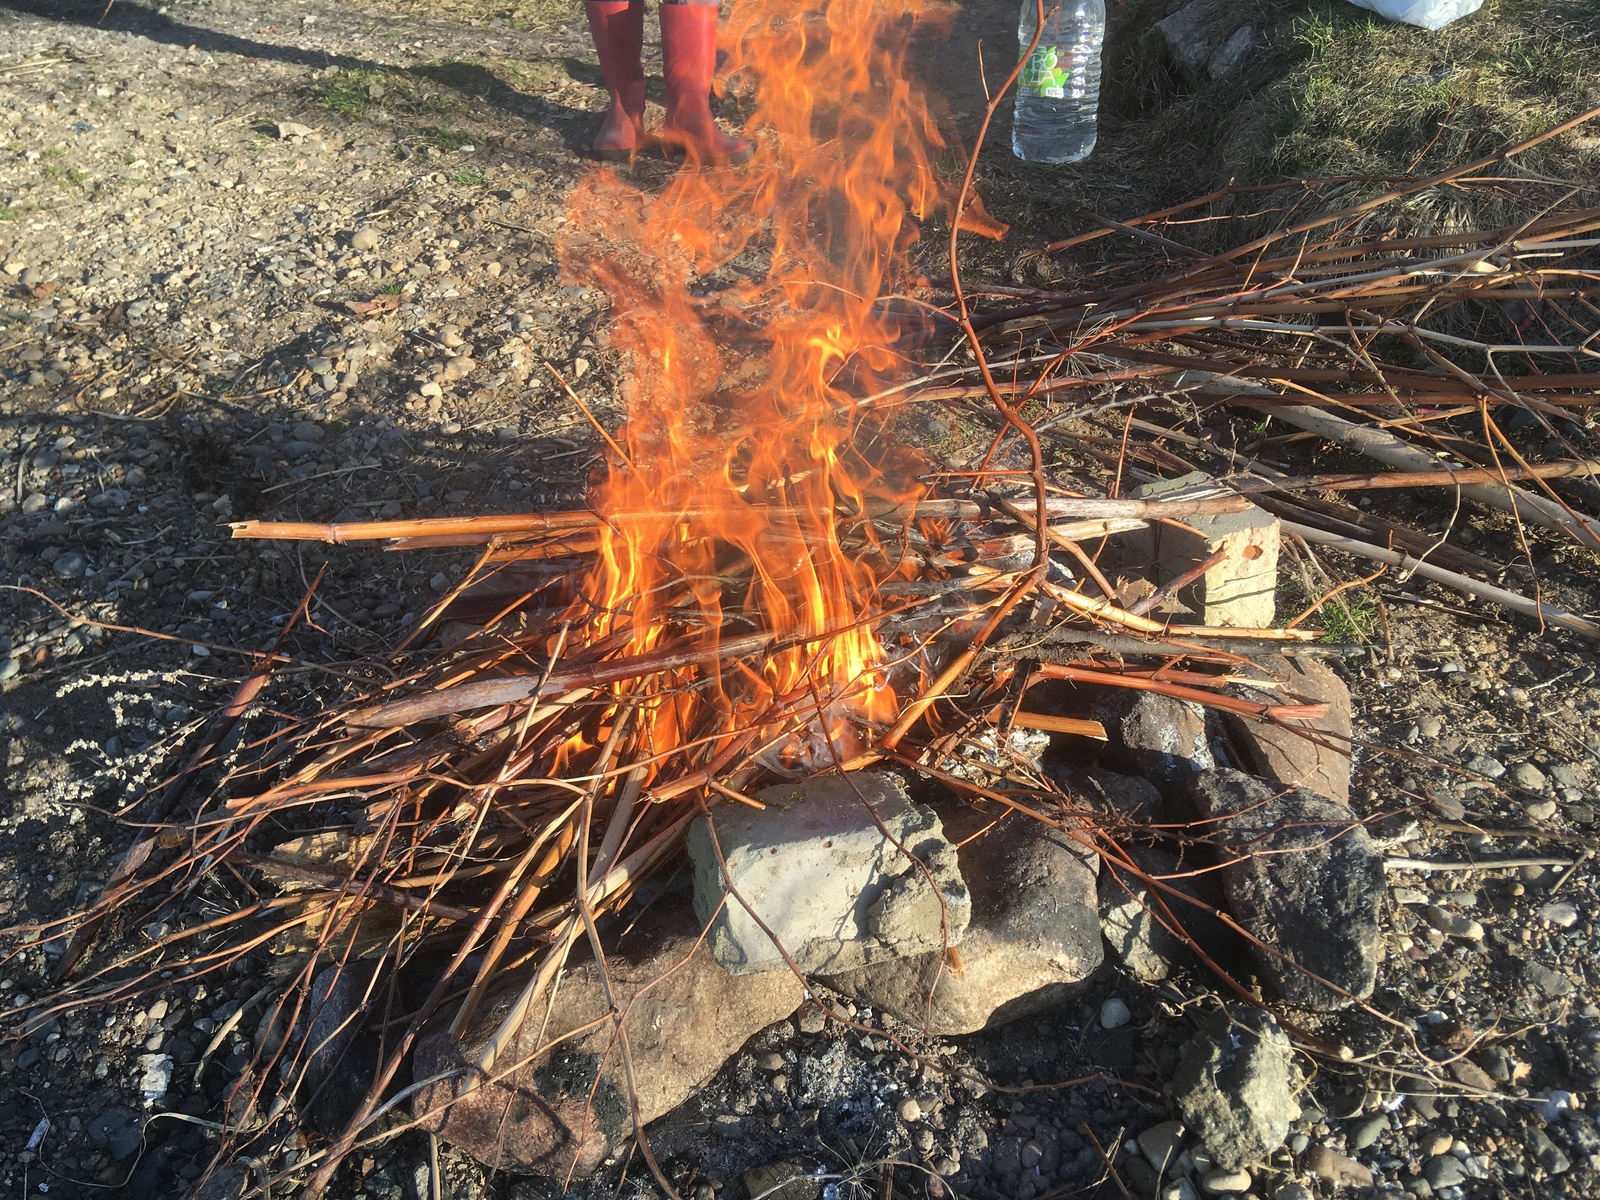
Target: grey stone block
point(825, 866)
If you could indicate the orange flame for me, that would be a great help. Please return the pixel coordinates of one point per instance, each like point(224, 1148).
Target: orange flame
point(739, 297)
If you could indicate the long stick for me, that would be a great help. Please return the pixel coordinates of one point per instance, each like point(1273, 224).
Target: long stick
point(1510, 600)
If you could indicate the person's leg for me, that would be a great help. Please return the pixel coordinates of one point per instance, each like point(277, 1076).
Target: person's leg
point(617, 27)
point(689, 56)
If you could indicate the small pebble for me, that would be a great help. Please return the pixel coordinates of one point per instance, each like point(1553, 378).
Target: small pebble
point(909, 1110)
point(364, 239)
point(1114, 1014)
point(1540, 810)
point(1218, 1182)
point(1561, 914)
point(1528, 777)
point(1448, 923)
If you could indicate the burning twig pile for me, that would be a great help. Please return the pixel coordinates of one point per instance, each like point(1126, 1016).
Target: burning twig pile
point(768, 585)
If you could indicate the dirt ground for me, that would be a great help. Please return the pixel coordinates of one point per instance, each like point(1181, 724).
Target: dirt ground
point(181, 194)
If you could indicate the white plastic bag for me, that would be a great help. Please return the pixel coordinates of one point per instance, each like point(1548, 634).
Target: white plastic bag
point(1430, 14)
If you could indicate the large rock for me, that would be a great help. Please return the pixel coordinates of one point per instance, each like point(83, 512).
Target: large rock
point(1138, 932)
point(684, 1018)
point(1164, 740)
point(1314, 755)
point(1235, 1086)
point(1033, 934)
point(825, 866)
point(1206, 39)
point(1303, 877)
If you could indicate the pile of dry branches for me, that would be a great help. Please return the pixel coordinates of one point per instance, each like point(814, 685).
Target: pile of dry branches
point(508, 781)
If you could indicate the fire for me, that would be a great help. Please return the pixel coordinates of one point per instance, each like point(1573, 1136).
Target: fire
point(739, 297)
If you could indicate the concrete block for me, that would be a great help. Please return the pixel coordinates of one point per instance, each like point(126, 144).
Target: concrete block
point(823, 867)
point(1034, 933)
point(1241, 590)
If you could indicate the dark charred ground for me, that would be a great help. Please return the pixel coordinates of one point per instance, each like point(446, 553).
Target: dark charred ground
point(176, 353)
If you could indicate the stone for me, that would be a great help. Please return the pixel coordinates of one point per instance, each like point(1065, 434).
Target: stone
point(1163, 740)
point(1313, 754)
point(826, 879)
point(1033, 933)
point(1444, 1170)
point(344, 1053)
point(684, 1018)
point(1230, 56)
point(1528, 777)
point(1178, 1189)
point(1134, 914)
point(1220, 1182)
point(1560, 913)
point(1293, 1191)
point(1234, 1084)
point(909, 1110)
point(1368, 1132)
point(291, 129)
point(1338, 1169)
point(1302, 875)
point(364, 239)
point(1546, 1153)
point(457, 369)
point(1127, 796)
point(118, 1131)
point(1452, 925)
point(1161, 1143)
point(1241, 589)
point(1489, 768)
point(787, 1180)
point(1114, 1013)
point(155, 1076)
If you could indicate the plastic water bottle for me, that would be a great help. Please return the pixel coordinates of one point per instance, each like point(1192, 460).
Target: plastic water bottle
point(1058, 91)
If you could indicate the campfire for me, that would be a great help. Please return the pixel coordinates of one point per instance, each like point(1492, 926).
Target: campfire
point(769, 583)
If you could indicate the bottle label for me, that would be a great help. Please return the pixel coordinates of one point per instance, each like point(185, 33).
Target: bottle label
point(1048, 74)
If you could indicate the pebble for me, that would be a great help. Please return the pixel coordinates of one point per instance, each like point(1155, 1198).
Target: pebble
point(770, 1061)
point(1444, 1170)
point(1448, 923)
point(1114, 1013)
point(1338, 1169)
point(1436, 1144)
point(812, 1019)
point(1161, 1143)
point(1561, 914)
point(1293, 1191)
point(364, 239)
point(458, 368)
point(909, 1110)
point(1368, 1131)
point(1528, 777)
point(1178, 1189)
point(1483, 764)
point(1541, 810)
point(1219, 1182)
point(71, 565)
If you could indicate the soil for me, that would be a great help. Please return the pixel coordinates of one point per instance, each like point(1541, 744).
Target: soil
point(194, 197)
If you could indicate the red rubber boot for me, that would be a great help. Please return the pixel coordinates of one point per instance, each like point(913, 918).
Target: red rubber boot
point(689, 55)
point(617, 27)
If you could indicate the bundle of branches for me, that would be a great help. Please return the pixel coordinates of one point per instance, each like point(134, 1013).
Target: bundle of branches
point(530, 755)
point(1419, 350)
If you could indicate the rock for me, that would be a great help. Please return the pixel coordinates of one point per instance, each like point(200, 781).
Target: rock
point(1452, 925)
point(1368, 1132)
point(1161, 1143)
point(290, 129)
point(1033, 932)
point(1230, 56)
point(1133, 914)
point(1314, 755)
point(1293, 1191)
point(1234, 1084)
point(909, 1110)
point(1127, 796)
point(1470, 1073)
point(344, 1053)
point(155, 1076)
point(1302, 875)
point(1338, 1169)
point(118, 1131)
point(1546, 1153)
point(1165, 741)
point(70, 565)
point(685, 1017)
point(1541, 810)
point(308, 431)
point(1560, 914)
point(813, 1020)
point(1444, 1170)
point(825, 877)
point(788, 1180)
point(1490, 768)
point(364, 239)
point(1218, 1182)
point(458, 369)
point(1114, 1013)
point(1528, 777)
point(1178, 1189)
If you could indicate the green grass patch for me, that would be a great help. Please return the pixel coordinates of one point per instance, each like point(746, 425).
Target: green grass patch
point(7, 213)
point(352, 94)
point(444, 138)
point(469, 178)
point(1349, 618)
point(391, 289)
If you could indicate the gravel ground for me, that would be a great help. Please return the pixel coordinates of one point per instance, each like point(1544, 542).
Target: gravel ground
point(194, 198)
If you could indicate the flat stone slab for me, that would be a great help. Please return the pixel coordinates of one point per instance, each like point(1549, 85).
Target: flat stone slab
point(1034, 932)
point(1302, 875)
point(1315, 755)
point(827, 867)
